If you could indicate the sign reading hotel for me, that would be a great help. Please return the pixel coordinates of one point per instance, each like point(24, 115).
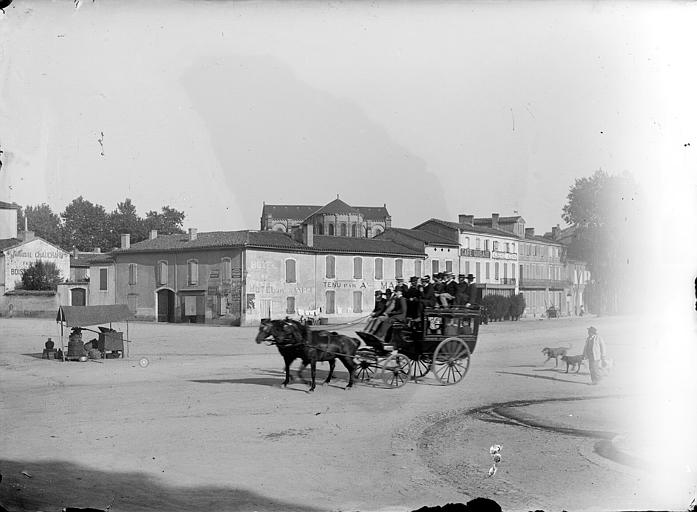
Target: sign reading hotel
point(20, 258)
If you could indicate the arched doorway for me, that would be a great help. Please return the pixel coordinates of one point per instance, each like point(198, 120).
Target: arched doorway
point(78, 297)
point(165, 305)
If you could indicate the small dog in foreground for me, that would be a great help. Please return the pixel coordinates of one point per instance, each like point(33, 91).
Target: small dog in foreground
point(554, 353)
point(572, 361)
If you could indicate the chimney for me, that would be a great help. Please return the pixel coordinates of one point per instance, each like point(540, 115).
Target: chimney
point(529, 232)
point(153, 234)
point(556, 232)
point(495, 221)
point(465, 220)
point(192, 234)
point(27, 236)
point(126, 241)
point(308, 232)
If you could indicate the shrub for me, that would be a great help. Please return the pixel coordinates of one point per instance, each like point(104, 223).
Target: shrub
point(41, 276)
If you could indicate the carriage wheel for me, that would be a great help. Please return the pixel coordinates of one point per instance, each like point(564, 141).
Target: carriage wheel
point(451, 360)
point(395, 370)
point(420, 366)
point(366, 363)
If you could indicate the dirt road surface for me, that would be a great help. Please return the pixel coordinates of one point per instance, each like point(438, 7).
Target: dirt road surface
point(206, 426)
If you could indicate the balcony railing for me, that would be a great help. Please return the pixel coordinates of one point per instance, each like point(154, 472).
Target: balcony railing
point(507, 280)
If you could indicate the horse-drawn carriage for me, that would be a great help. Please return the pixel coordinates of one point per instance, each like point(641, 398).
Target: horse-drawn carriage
point(441, 341)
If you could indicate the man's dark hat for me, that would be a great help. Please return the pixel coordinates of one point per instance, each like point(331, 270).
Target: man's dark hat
point(592, 330)
point(426, 277)
point(413, 279)
point(461, 276)
point(470, 276)
point(388, 291)
point(378, 292)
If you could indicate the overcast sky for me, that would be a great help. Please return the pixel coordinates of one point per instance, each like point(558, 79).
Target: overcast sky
point(435, 109)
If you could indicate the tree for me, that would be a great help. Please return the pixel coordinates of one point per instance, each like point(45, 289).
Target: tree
point(168, 222)
point(20, 219)
point(45, 224)
point(607, 213)
point(41, 275)
point(125, 220)
point(86, 225)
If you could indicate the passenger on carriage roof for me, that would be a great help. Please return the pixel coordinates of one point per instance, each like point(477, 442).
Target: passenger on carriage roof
point(413, 298)
point(428, 297)
point(447, 296)
point(462, 297)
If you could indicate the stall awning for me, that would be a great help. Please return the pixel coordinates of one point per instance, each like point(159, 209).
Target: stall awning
point(84, 316)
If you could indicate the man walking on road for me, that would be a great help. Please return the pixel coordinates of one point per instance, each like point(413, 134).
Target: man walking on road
point(594, 351)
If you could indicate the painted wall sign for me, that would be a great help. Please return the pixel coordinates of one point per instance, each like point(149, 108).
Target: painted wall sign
point(336, 283)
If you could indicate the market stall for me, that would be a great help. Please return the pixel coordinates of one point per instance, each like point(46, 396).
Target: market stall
point(108, 342)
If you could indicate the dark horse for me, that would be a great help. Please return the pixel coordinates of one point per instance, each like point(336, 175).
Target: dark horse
point(294, 341)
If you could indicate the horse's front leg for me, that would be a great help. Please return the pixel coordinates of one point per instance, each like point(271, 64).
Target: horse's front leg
point(288, 361)
point(313, 367)
point(332, 363)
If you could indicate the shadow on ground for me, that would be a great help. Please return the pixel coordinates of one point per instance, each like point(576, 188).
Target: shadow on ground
point(584, 383)
point(56, 484)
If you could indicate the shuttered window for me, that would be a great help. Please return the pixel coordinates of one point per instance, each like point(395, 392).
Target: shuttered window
point(162, 271)
point(329, 306)
point(378, 268)
point(330, 264)
point(398, 268)
point(358, 267)
point(290, 305)
point(417, 268)
point(132, 273)
point(290, 271)
point(192, 272)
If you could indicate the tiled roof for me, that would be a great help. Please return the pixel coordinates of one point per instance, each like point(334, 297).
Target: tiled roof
point(100, 258)
point(352, 245)
point(9, 242)
point(336, 206)
point(373, 212)
point(469, 228)
point(421, 235)
point(217, 239)
point(288, 211)
point(486, 221)
point(9, 206)
point(302, 212)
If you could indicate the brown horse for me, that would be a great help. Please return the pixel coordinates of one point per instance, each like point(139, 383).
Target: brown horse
point(294, 341)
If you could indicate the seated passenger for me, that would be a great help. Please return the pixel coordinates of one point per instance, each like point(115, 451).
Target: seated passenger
point(380, 305)
point(447, 296)
point(396, 311)
point(413, 298)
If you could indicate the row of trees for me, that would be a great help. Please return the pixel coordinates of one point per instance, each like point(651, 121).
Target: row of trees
point(87, 226)
point(499, 307)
